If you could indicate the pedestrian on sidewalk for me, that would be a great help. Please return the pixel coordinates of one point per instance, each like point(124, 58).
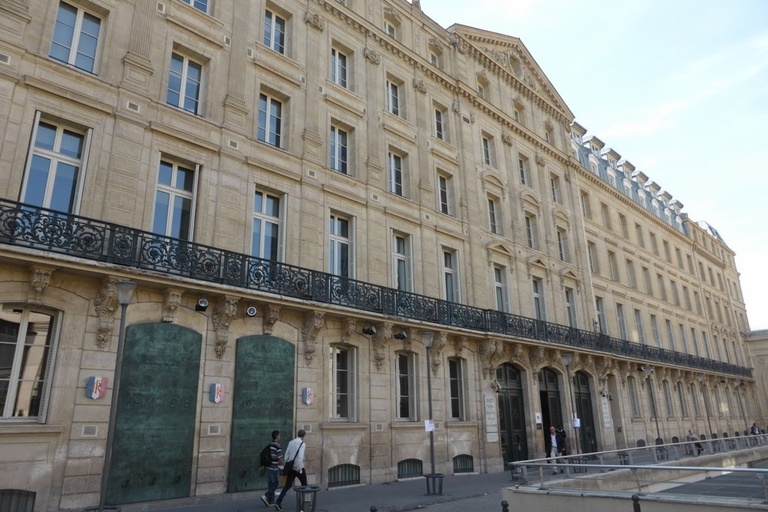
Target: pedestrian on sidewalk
point(273, 469)
point(695, 438)
point(555, 445)
point(294, 466)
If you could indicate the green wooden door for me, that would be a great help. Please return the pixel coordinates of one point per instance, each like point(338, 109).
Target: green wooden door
point(263, 401)
point(155, 426)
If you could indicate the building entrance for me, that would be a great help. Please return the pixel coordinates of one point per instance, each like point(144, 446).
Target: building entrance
point(551, 407)
point(512, 423)
point(583, 396)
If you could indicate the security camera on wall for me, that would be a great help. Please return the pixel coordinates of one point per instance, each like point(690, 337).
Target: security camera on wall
point(251, 311)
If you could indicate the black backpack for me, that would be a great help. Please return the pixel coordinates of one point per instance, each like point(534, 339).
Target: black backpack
point(265, 457)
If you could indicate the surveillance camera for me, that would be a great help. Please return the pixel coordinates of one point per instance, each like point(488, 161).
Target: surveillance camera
point(202, 305)
point(251, 311)
point(369, 330)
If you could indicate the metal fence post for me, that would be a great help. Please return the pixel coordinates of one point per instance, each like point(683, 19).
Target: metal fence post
point(504, 506)
point(635, 503)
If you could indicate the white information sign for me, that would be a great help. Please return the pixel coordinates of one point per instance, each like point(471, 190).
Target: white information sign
point(491, 418)
point(429, 425)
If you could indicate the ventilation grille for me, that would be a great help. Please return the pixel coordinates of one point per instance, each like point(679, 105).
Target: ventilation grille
point(378, 427)
point(90, 430)
point(214, 430)
point(311, 174)
point(233, 144)
point(133, 106)
point(227, 41)
point(5, 59)
point(161, 7)
point(250, 53)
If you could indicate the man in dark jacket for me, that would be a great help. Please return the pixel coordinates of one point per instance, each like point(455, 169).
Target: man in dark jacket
point(555, 445)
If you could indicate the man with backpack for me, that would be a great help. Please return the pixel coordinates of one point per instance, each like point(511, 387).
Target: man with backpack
point(294, 466)
point(271, 458)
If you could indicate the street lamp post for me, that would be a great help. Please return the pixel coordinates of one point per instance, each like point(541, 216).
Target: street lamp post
point(125, 292)
point(567, 359)
point(427, 337)
point(648, 371)
point(701, 378)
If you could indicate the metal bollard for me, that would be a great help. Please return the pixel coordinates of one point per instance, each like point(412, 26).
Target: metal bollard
point(373, 508)
point(635, 503)
point(504, 506)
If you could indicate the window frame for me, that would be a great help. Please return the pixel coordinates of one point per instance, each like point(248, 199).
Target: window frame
point(406, 379)
point(336, 393)
point(264, 218)
point(396, 173)
point(271, 37)
point(20, 362)
point(338, 148)
point(339, 67)
point(270, 127)
point(340, 245)
point(457, 394)
point(445, 197)
point(185, 81)
point(501, 288)
point(77, 35)
point(450, 273)
point(394, 100)
point(402, 262)
point(175, 193)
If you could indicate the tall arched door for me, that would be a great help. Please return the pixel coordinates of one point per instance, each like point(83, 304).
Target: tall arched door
point(514, 442)
point(549, 395)
point(583, 395)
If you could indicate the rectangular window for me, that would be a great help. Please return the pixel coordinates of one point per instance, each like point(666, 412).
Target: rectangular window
point(456, 386)
point(340, 244)
point(393, 98)
point(531, 231)
point(489, 158)
point(683, 339)
point(670, 335)
point(339, 150)
point(274, 31)
point(554, 183)
point(401, 262)
point(441, 127)
point(686, 298)
point(570, 307)
point(562, 244)
point(621, 321)
point(681, 400)
point(695, 342)
point(184, 83)
point(338, 67)
point(623, 226)
point(594, 266)
point(343, 382)
point(631, 277)
point(539, 310)
point(522, 166)
point(639, 235)
point(679, 256)
point(647, 281)
point(395, 164)
point(586, 209)
point(173, 201)
point(613, 266)
point(265, 235)
point(600, 311)
point(450, 276)
point(668, 399)
point(667, 253)
point(500, 288)
point(695, 400)
point(200, 5)
point(662, 288)
point(654, 244)
point(406, 392)
point(445, 194)
point(493, 224)
point(75, 37)
point(675, 292)
point(606, 215)
point(633, 402)
point(390, 29)
point(54, 168)
point(639, 327)
point(270, 120)
point(655, 329)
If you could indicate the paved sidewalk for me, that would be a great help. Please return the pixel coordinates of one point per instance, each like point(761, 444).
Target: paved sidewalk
point(398, 496)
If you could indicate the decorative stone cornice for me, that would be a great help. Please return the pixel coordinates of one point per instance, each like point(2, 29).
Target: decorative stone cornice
point(461, 343)
point(222, 317)
point(314, 20)
point(490, 351)
point(537, 357)
point(372, 56)
point(39, 279)
point(172, 302)
point(438, 344)
point(106, 305)
point(392, 13)
point(457, 42)
point(507, 138)
point(379, 344)
point(348, 329)
point(271, 315)
point(313, 321)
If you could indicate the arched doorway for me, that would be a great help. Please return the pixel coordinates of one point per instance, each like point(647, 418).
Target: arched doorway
point(514, 442)
point(583, 395)
point(549, 395)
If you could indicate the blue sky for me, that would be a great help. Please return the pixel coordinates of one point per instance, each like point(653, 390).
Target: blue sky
point(679, 88)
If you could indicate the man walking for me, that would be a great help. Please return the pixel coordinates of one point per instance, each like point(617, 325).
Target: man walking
point(294, 466)
point(273, 470)
point(555, 444)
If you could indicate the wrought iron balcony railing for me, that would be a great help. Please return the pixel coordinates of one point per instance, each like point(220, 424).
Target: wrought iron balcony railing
point(39, 228)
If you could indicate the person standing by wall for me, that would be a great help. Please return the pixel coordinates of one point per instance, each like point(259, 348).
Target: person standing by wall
point(555, 445)
point(294, 466)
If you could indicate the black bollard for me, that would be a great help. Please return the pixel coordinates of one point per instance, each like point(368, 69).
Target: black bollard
point(373, 508)
point(504, 506)
point(635, 503)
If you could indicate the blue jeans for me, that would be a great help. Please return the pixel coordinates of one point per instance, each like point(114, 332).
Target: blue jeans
point(273, 481)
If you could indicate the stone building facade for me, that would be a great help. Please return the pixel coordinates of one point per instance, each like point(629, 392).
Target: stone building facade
point(307, 195)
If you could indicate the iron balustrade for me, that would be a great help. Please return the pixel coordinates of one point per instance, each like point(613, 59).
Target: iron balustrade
point(73, 235)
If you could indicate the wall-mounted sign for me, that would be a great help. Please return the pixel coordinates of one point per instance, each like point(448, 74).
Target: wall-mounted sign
point(429, 425)
point(491, 418)
point(96, 387)
point(217, 392)
point(537, 415)
point(308, 396)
